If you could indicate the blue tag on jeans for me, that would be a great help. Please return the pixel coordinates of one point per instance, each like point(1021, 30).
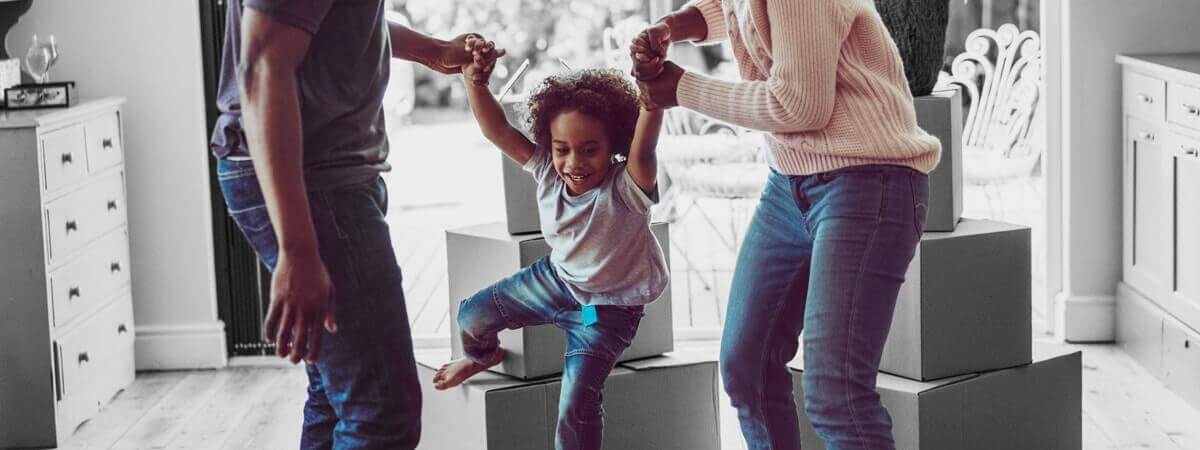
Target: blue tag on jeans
point(589, 315)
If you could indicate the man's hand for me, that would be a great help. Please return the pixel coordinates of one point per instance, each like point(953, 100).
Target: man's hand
point(452, 56)
point(483, 59)
point(649, 51)
point(301, 303)
point(659, 92)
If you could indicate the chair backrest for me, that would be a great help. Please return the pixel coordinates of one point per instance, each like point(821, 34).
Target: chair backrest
point(1000, 74)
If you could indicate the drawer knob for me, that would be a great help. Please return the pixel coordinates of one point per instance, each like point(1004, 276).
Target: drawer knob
point(1146, 136)
point(1191, 109)
point(67, 159)
point(83, 357)
point(106, 143)
point(122, 329)
point(1145, 98)
point(72, 226)
point(72, 293)
point(1190, 151)
point(114, 267)
point(112, 205)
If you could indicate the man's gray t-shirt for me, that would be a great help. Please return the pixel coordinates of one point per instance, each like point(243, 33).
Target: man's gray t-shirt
point(340, 84)
point(600, 241)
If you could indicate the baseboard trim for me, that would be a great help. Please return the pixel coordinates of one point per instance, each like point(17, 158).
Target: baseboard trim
point(181, 346)
point(1086, 318)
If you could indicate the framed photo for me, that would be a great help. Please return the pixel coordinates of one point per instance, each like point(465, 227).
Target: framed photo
point(35, 96)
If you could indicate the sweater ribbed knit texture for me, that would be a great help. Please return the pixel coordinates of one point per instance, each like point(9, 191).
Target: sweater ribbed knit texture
point(823, 77)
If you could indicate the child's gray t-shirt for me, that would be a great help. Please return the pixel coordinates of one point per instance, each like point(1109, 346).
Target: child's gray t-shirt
point(600, 241)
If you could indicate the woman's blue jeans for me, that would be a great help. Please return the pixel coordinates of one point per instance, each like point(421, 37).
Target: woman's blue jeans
point(824, 253)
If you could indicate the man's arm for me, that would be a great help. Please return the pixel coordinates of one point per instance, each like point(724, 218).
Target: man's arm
point(643, 162)
point(443, 56)
point(301, 289)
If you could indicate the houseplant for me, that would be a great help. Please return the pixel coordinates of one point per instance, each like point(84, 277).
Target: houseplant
point(919, 29)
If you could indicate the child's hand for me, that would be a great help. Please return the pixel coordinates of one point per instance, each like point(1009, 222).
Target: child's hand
point(483, 59)
point(649, 50)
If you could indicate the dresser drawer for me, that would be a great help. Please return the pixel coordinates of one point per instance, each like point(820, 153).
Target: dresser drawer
point(76, 219)
point(1183, 105)
point(103, 142)
point(93, 345)
point(63, 157)
point(1144, 96)
point(92, 278)
point(106, 381)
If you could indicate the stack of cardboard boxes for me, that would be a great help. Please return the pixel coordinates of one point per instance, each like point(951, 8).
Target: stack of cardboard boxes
point(651, 400)
point(958, 369)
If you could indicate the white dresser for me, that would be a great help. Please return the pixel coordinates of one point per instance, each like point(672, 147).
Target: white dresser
point(1158, 300)
point(66, 313)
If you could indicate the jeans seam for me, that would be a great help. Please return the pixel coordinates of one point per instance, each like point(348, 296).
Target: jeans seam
point(333, 217)
point(500, 307)
point(587, 352)
point(854, 311)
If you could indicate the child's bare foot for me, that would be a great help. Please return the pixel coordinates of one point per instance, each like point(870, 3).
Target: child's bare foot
point(456, 372)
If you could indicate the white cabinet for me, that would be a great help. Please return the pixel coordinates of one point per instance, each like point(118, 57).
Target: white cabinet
point(1158, 300)
point(66, 312)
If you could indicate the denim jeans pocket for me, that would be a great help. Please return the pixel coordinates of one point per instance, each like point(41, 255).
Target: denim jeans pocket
point(919, 185)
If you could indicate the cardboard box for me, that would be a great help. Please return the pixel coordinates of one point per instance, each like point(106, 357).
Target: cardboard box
point(520, 198)
point(662, 403)
point(941, 114)
point(1038, 406)
point(965, 306)
point(478, 256)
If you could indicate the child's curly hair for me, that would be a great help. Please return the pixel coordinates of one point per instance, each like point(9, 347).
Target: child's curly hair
point(600, 93)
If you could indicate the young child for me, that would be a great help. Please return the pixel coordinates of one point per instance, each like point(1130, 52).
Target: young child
point(604, 263)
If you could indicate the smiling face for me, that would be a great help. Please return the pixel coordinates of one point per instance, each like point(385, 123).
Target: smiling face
point(580, 149)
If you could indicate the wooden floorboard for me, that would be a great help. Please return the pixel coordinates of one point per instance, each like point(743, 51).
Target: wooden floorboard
point(1124, 407)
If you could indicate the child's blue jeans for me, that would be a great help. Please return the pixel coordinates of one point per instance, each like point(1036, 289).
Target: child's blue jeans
point(536, 295)
point(825, 253)
point(363, 391)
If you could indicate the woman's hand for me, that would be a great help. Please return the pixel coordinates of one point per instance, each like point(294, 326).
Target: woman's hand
point(483, 59)
point(659, 92)
point(649, 50)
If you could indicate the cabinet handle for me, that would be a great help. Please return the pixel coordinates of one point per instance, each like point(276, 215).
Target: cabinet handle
point(83, 357)
point(121, 329)
point(106, 143)
point(1190, 151)
point(72, 293)
point(114, 267)
point(112, 205)
point(67, 159)
point(1191, 109)
point(72, 226)
point(1146, 136)
point(1145, 98)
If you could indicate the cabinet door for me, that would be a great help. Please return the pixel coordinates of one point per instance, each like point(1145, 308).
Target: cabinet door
point(1186, 286)
point(1148, 207)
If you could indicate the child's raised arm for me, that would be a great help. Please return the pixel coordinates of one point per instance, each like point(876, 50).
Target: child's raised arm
point(643, 164)
point(487, 111)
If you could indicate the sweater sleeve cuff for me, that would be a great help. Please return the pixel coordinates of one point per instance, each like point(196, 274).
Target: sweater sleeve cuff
point(714, 19)
point(697, 92)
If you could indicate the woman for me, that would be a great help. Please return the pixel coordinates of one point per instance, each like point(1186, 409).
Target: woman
point(841, 214)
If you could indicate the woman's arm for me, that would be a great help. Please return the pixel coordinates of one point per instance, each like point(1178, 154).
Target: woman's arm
point(798, 94)
point(492, 123)
point(702, 22)
point(643, 162)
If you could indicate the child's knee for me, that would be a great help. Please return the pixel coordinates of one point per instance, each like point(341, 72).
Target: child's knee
point(477, 316)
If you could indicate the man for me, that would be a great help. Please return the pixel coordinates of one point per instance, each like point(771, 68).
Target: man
point(300, 145)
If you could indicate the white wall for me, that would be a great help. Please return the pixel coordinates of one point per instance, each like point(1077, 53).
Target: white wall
point(1088, 107)
point(148, 51)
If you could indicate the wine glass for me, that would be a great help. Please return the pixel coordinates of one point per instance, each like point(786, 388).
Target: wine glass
point(40, 57)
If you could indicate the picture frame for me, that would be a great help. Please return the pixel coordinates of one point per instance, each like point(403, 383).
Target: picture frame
point(39, 96)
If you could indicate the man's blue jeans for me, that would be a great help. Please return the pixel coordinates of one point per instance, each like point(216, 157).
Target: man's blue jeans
point(363, 391)
point(536, 295)
point(825, 253)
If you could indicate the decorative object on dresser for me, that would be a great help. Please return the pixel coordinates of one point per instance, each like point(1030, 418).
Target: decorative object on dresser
point(919, 29)
point(1001, 75)
point(39, 96)
point(1158, 298)
point(66, 310)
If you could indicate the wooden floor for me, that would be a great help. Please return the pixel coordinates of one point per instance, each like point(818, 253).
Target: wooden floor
point(259, 407)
